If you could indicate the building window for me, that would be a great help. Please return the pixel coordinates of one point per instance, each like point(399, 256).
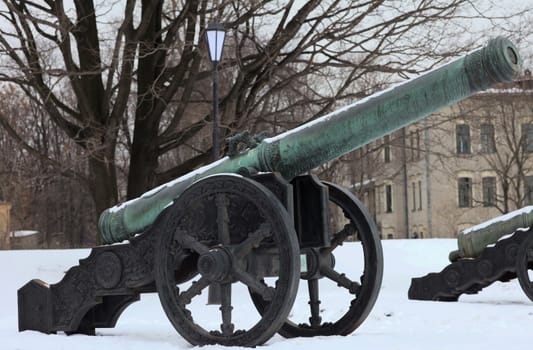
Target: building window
point(489, 191)
point(388, 198)
point(386, 149)
point(528, 190)
point(527, 137)
point(465, 192)
point(421, 232)
point(462, 133)
point(417, 144)
point(412, 146)
point(378, 200)
point(414, 196)
point(414, 141)
point(419, 195)
point(487, 138)
point(367, 157)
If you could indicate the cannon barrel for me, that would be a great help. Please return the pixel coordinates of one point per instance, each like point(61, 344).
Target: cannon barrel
point(472, 241)
point(331, 136)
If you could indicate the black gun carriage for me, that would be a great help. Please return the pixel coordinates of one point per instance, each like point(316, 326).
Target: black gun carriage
point(253, 222)
point(500, 249)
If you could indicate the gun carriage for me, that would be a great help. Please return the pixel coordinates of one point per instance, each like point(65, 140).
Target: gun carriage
point(253, 221)
point(500, 249)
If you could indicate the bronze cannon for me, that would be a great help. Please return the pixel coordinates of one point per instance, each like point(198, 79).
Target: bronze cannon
point(499, 249)
point(254, 220)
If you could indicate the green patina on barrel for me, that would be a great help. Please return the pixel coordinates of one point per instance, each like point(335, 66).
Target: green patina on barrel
point(329, 137)
point(472, 241)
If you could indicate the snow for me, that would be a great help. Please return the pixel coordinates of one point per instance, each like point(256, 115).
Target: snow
point(171, 183)
point(497, 317)
point(506, 91)
point(23, 233)
point(514, 214)
point(362, 184)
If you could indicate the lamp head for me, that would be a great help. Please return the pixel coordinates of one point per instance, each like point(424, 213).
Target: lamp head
point(215, 34)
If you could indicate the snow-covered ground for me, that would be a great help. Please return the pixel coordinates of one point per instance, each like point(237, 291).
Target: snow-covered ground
point(501, 316)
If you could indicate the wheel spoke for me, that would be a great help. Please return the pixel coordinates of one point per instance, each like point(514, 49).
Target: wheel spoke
point(257, 286)
point(195, 289)
point(342, 280)
point(253, 241)
point(339, 238)
point(227, 327)
point(221, 202)
point(314, 303)
point(361, 291)
point(223, 239)
point(189, 242)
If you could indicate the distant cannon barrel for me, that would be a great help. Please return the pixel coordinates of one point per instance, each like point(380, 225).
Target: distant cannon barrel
point(329, 137)
point(472, 241)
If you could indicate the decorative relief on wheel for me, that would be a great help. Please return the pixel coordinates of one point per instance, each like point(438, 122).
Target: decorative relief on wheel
point(228, 225)
point(358, 279)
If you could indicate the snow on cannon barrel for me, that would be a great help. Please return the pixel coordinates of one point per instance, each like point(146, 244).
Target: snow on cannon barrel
point(324, 139)
point(472, 241)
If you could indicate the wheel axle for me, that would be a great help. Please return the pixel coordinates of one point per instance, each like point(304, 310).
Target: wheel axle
point(215, 265)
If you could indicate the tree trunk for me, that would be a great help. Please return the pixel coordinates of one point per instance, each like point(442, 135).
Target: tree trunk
point(144, 155)
point(103, 182)
point(505, 188)
point(143, 162)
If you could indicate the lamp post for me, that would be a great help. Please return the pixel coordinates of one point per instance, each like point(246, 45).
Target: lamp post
point(215, 34)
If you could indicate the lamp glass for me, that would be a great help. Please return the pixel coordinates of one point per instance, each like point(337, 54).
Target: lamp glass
point(215, 41)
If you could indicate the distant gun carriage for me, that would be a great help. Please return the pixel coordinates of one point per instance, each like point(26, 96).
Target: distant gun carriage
point(253, 220)
point(500, 249)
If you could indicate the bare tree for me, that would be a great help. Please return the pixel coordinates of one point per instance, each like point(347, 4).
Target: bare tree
point(137, 88)
point(498, 143)
point(511, 157)
point(38, 173)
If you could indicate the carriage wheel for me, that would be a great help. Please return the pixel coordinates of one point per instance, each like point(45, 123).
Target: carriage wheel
point(524, 264)
point(226, 224)
point(358, 282)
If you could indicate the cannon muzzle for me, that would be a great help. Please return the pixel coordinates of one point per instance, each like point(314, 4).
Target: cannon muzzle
point(329, 137)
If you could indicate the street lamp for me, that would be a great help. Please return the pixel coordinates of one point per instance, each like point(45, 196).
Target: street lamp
point(215, 34)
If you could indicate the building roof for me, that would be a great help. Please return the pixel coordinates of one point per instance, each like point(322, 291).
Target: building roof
point(522, 84)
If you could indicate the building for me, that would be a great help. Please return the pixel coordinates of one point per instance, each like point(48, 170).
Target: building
point(5, 209)
point(462, 166)
point(22, 239)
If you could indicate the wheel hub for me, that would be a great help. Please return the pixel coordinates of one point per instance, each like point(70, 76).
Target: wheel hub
point(215, 265)
point(315, 262)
